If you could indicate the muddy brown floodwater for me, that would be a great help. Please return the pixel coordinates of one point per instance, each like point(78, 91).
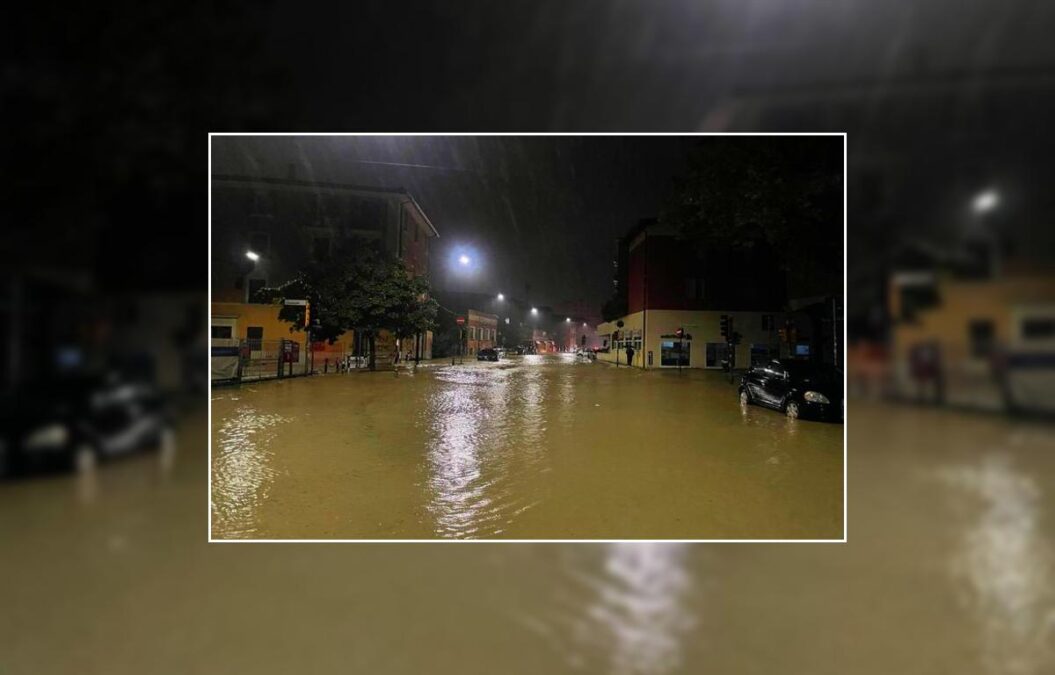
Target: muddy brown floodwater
point(949, 567)
point(535, 447)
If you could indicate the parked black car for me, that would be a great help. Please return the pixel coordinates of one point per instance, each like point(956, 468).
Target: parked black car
point(796, 388)
point(58, 424)
point(487, 354)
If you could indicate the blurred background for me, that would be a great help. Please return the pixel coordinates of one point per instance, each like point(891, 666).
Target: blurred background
point(950, 306)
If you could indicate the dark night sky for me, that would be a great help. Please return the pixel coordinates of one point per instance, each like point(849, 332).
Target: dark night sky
point(112, 108)
point(543, 211)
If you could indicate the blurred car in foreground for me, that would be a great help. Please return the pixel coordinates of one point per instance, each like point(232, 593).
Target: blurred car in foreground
point(71, 422)
point(487, 354)
point(795, 388)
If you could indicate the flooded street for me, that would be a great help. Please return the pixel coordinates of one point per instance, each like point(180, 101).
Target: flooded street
point(533, 447)
point(949, 567)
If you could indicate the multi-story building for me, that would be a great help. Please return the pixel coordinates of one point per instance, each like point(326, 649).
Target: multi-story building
point(265, 230)
point(667, 287)
point(481, 331)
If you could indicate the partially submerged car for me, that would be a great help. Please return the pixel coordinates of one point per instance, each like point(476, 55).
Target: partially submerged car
point(74, 421)
point(796, 388)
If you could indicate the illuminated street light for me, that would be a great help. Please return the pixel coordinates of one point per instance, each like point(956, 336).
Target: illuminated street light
point(464, 260)
point(567, 319)
point(985, 201)
point(507, 320)
point(584, 324)
point(501, 297)
point(252, 255)
point(534, 310)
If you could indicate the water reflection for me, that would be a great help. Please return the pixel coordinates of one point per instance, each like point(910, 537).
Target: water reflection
point(241, 463)
point(1006, 566)
point(623, 608)
point(486, 425)
point(454, 485)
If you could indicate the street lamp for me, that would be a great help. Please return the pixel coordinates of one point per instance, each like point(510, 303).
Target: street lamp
point(252, 255)
point(567, 319)
point(985, 201)
point(501, 297)
point(464, 260)
point(534, 310)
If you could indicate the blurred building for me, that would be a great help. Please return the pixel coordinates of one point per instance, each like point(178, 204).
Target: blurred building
point(979, 342)
point(265, 230)
point(669, 287)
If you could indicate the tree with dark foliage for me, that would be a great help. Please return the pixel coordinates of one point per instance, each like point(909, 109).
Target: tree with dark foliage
point(360, 288)
point(784, 192)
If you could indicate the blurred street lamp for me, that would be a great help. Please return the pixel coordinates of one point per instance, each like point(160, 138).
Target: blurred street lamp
point(534, 310)
point(252, 255)
point(985, 201)
point(501, 297)
point(464, 260)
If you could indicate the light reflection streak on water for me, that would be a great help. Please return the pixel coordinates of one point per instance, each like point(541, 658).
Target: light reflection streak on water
point(455, 491)
point(481, 444)
point(242, 473)
point(631, 608)
point(1007, 566)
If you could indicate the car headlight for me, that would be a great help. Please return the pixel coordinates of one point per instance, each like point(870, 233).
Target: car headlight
point(50, 436)
point(815, 397)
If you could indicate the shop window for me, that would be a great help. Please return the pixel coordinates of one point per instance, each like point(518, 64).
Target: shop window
point(221, 332)
point(717, 353)
point(674, 352)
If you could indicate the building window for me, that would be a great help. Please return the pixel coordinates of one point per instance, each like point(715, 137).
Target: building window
point(981, 334)
point(221, 332)
point(767, 322)
point(254, 286)
point(717, 353)
point(254, 336)
point(674, 352)
point(1038, 328)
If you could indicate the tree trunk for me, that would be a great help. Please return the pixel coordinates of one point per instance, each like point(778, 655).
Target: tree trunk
point(373, 352)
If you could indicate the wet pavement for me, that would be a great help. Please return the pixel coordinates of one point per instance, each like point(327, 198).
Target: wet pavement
point(534, 447)
point(949, 568)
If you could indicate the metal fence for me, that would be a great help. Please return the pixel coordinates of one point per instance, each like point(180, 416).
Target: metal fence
point(250, 359)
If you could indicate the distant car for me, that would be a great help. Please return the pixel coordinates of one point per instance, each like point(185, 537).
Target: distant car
point(487, 354)
point(62, 423)
point(796, 388)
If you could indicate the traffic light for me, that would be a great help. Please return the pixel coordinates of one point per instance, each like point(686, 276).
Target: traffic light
point(725, 325)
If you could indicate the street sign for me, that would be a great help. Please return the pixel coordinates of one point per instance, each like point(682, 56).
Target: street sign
point(298, 303)
point(460, 320)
